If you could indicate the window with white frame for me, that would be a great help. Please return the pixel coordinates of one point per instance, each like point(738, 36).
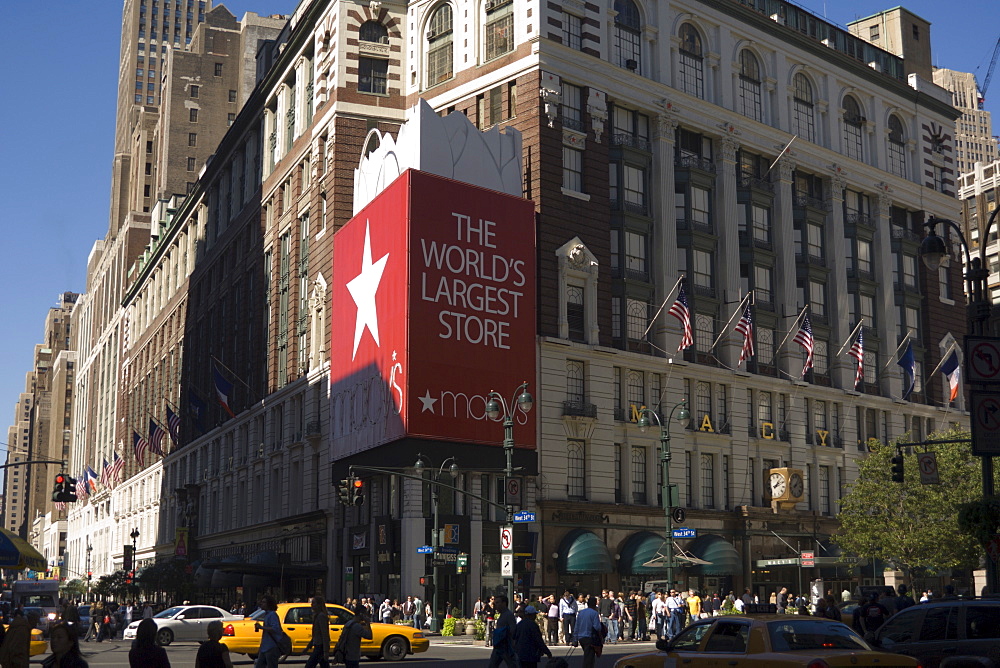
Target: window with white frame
point(576, 312)
point(817, 298)
point(763, 283)
point(824, 490)
point(897, 147)
point(702, 269)
point(571, 107)
point(636, 388)
point(803, 112)
point(854, 122)
point(576, 469)
point(691, 60)
point(750, 86)
point(708, 481)
point(575, 386)
point(764, 351)
point(572, 169)
point(440, 60)
point(499, 29)
point(628, 35)
point(704, 332)
point(572, 32)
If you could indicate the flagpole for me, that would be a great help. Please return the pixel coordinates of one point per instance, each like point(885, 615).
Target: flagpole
point(725, 328)
point(943, 359)
point(850, 337)
point(660, 310)
point(233, 373)
point(898, 348)
point(780, 155)
point(794, 325)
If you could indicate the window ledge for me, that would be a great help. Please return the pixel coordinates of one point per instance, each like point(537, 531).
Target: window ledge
point(945, 300)
point(577, 195)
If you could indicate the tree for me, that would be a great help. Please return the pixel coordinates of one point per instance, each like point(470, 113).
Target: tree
point(112, 586)
point(75, 588)
point(912, 525)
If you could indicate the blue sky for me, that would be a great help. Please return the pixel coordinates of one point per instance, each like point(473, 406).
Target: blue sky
point(57, 146)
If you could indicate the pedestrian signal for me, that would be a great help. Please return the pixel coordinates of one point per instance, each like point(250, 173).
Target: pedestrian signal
point(426, 581)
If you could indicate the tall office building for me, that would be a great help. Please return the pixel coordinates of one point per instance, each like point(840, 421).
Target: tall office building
point(979, 192)
point(974, 140)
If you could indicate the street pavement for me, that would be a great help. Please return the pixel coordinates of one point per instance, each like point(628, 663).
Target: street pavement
point(459, 653)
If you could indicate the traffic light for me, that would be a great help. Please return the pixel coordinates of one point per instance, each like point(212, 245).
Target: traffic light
point(357, 491)
point(344, 491)
point(57, 490)
point(64, 489)
point(897, 468)
point(70, 489)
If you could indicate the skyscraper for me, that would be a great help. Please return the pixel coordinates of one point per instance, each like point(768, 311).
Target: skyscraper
point(974, 140)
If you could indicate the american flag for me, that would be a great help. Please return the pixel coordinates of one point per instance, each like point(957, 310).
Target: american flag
point(745, 327)
point(139, 446)
point(857, 351)
point(174, 426)
point(681, 311)
point(804, 337)
point(117, 468)
point(106, 474)
point(60, 505)
point(156, 434)
point(82, 489)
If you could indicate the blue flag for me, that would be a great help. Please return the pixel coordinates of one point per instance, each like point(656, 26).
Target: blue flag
point(197, 408)
point(909, 365)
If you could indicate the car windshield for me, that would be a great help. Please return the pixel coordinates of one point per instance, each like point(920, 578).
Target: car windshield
point(169, 612)
point(812, 634)
point(258, 615)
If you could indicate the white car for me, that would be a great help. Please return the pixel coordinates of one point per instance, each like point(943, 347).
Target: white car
point(183, 622)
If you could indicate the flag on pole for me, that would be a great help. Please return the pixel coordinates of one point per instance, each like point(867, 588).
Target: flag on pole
point(223, 389)
point(857, 351)
point(106, 474)
point(680, 310)
point(197, 408)
point(139, 446)
point(82, 489)
point(804, 337)
point(953, 372)
point(117, 468)
point(745, 327)
point(92, 479)
point(156, 434)
point(909, 365)
point(174, 426)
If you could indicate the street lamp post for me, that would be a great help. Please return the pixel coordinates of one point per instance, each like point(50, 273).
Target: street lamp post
point(933, 250)
point(498, 409)
point(435, 530)
point(90, 548)
point(667, 497)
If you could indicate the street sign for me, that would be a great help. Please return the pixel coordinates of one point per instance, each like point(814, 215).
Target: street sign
point(507, 565)
point(985, 420)
point(684, 532)
point(425, 549)
point(807, 559)
point(764, 563)
point(678, 515)
point(507, 538)
point(982, 361)
point(513, 488)
point(447, 550)
point(524, 516)
point(450, 534)
point(927, 463)
point(463, 560)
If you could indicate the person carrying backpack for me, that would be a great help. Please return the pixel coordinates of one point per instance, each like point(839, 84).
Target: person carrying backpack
point(871, 616)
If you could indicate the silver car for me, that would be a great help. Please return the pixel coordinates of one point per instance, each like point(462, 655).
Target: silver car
point(183, 622)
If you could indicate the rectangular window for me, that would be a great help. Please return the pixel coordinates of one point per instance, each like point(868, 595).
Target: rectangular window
point(702, 270)
point(639, 475)
point(704, 332)
point(572, 169)
point(571, 107)
point(762, 284)
point(194, 90)
point(230, 119)
point(218, 69)
point(708, 481)
point(619, 474)
point(192, 139)
point(701, 212)
point(817, 298)
point(575, 312)
point(576, 471)
point(373, 75)
point(500, 36)
point(232, 96)
point(193, 115)
point(572, 31)
point(190, 164)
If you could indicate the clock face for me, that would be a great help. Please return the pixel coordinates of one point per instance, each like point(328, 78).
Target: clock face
point(777, 484)
point(795, 485)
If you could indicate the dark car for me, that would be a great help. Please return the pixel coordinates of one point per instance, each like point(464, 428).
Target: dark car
point(943, 633)
point(84, 619)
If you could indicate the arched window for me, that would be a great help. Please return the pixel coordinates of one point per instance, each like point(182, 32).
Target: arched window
point(628, 29)
point(499, 28)
point(439, 46)
point(897, 147)
point(803, 116)
point(750, 85)
point(373, 31)
point(692, 74)
point(853, 125)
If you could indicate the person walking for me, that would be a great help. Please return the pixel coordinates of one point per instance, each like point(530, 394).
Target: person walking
point(870, 616)
point(213, 654)
point(268, 652)
point(528, 642)
point(660, 615)
point(147, 611)
point(418, 613)
point(320, 640)
point(96, 620)
point(408, 610)
point(16, 648)
point(145, 653)
point(589, 632)
point(351, 636)
point(552, 619)
point(567, 613)
point(675, 606)
point(503, 635)
point(71, 616)
point(64, 642)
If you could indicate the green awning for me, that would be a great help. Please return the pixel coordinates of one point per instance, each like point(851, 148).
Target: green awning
point(581, 552)
point(722, 556)
point(639, 549)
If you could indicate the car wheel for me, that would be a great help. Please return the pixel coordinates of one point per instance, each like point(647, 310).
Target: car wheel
point(164, 637)
point(395, 648)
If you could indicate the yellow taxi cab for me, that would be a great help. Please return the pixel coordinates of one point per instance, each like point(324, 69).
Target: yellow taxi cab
point(766, 641)
point(38, 644)
point(389, 641)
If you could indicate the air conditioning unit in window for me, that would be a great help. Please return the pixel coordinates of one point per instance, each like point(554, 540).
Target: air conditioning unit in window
point(492, 4)
point(431, 33)
point(631, 65)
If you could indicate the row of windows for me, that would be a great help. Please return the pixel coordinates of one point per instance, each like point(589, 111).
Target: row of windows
point(498, 38)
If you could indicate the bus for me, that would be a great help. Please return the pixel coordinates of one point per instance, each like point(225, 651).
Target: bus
point(42, 594)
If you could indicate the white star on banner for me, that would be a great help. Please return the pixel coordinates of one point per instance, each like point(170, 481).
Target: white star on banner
point(428, 402)
point(363, 288)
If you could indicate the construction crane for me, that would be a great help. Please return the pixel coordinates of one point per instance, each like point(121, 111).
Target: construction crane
point(989, 75)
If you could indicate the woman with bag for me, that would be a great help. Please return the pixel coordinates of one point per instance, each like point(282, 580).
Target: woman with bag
point(320, 641)
point(348, 648)
point(271, 633)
